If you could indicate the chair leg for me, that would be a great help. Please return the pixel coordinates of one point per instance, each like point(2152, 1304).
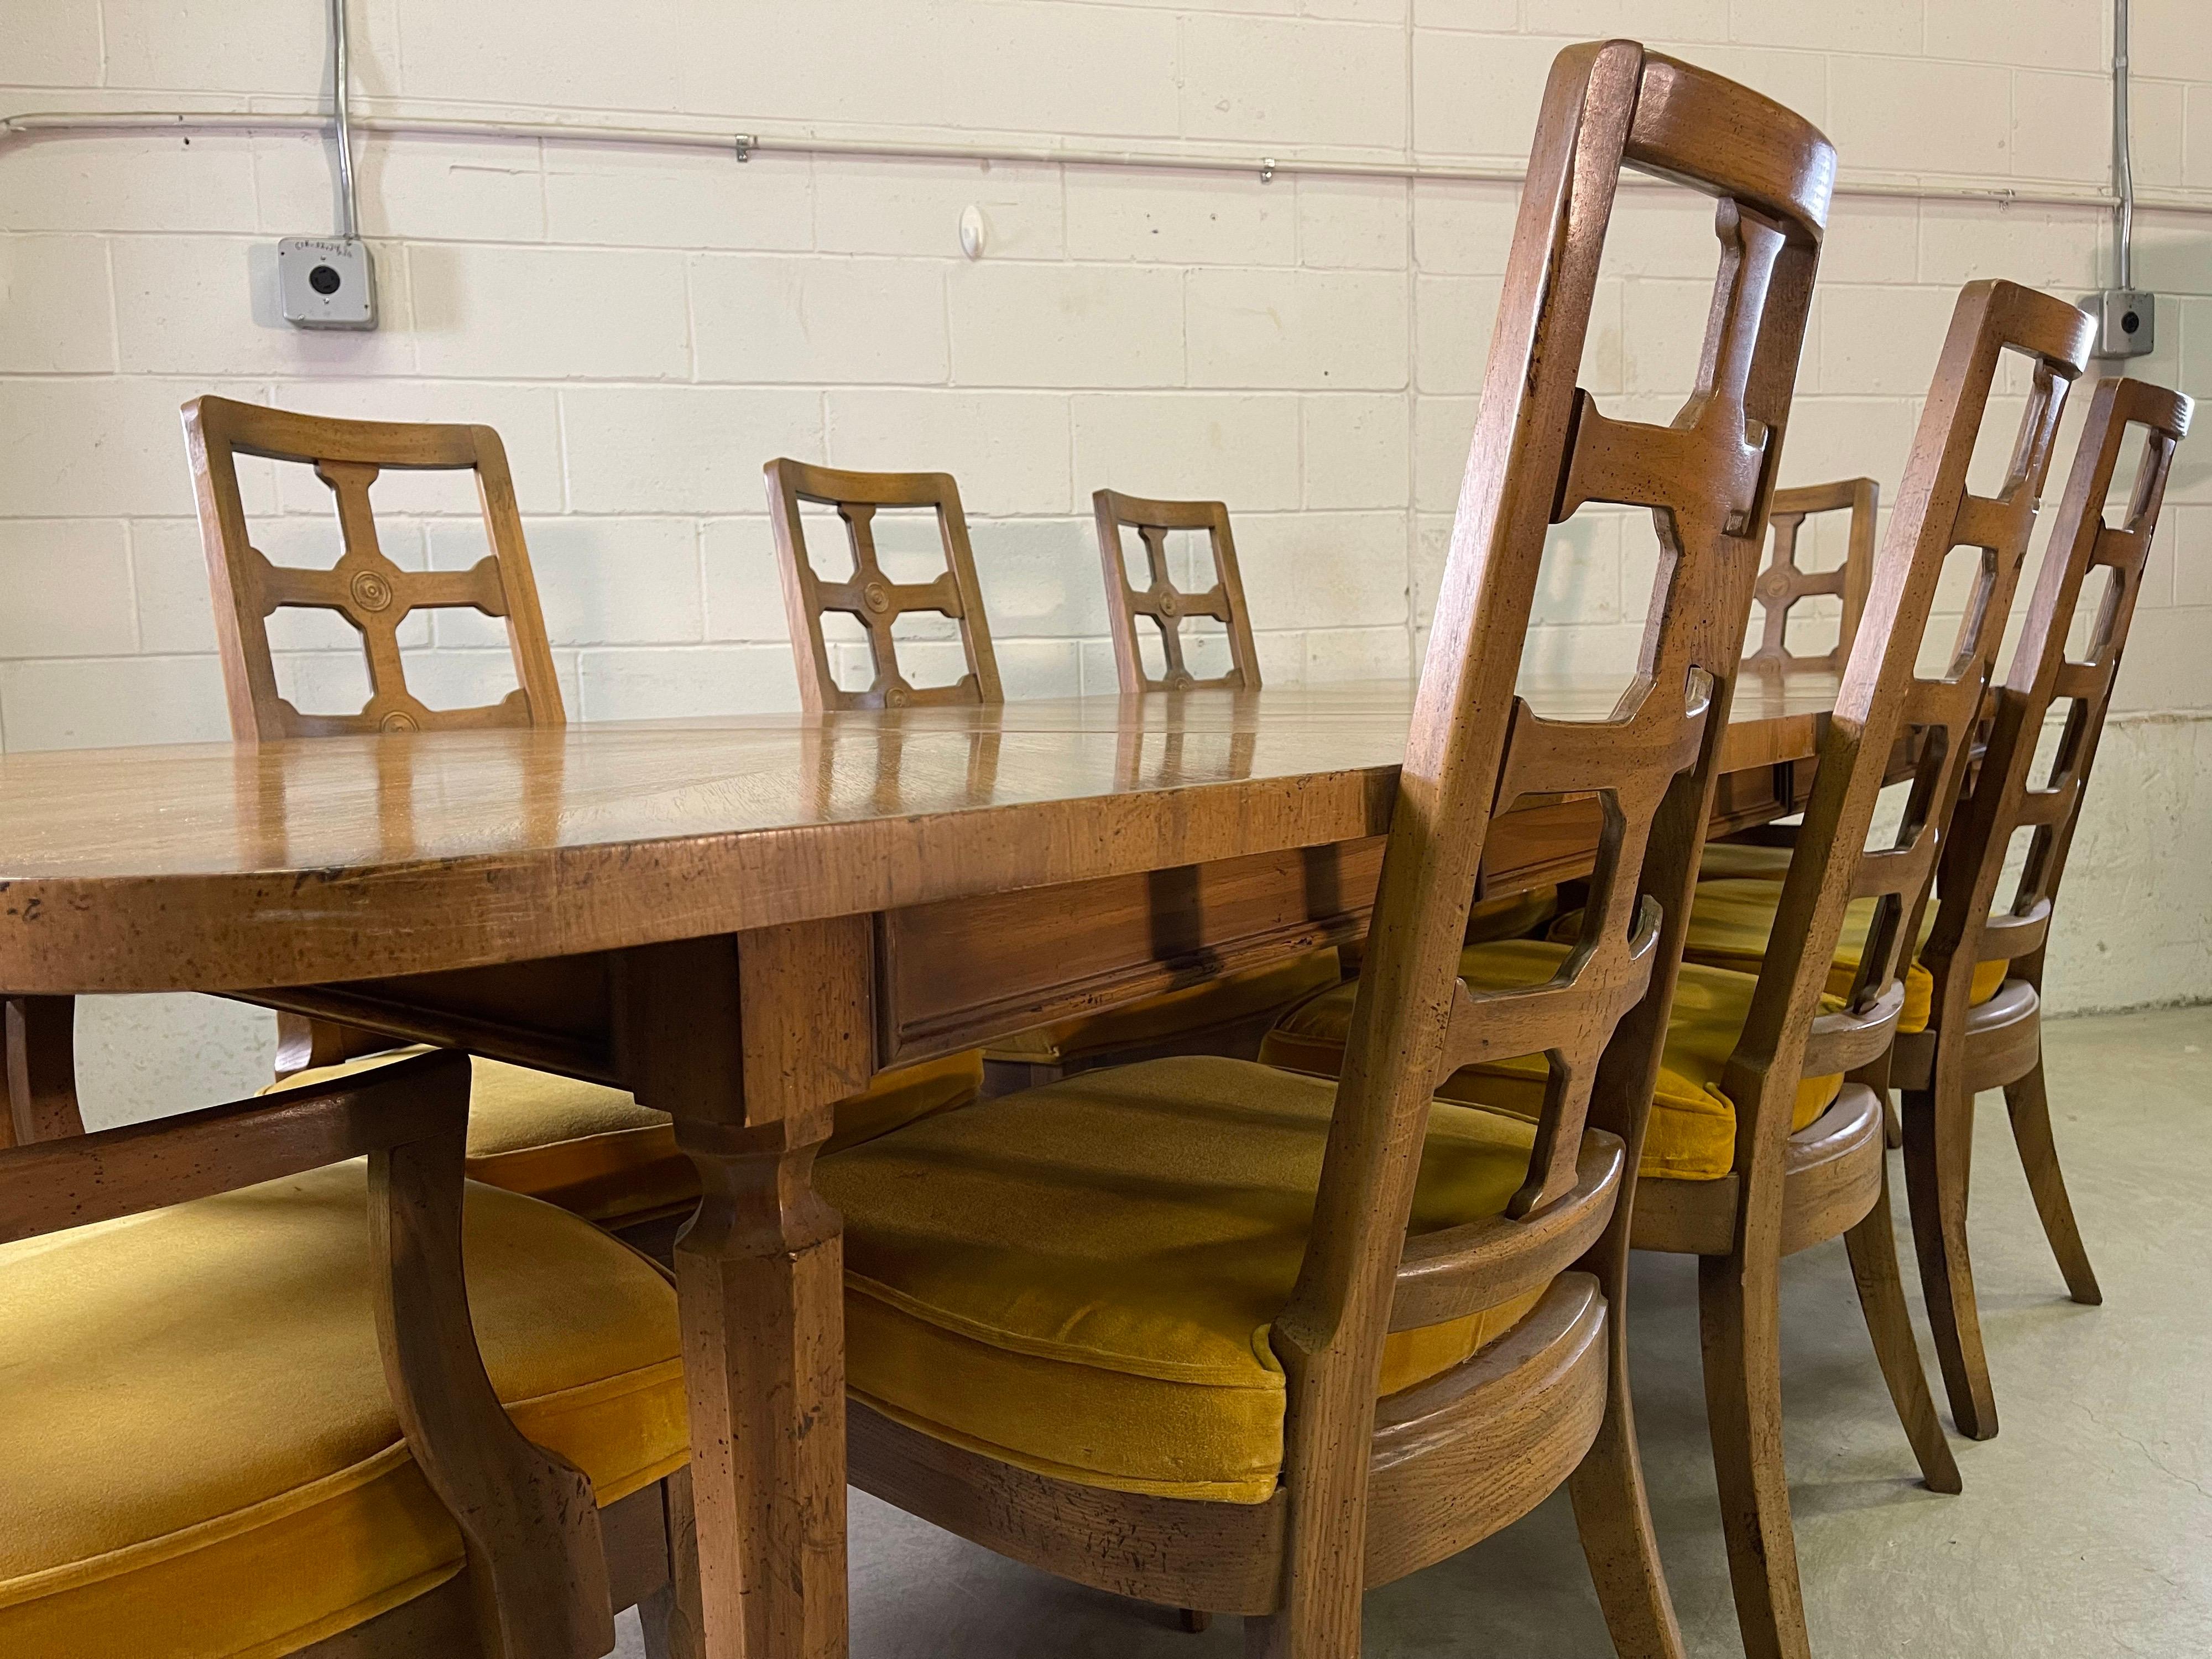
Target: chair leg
point(1939, 1145)
point(1320, 1616)
point(1739, 1320)
point(2030, 1109)
point(1196, 1622)
point(1873, 1246)
point(1615, 1519)
point(1892, 1126)
point(671, 1617)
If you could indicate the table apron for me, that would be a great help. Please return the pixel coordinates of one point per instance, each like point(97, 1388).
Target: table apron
point(957, 973)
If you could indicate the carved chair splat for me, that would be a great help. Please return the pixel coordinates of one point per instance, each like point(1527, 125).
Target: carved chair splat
point(1998, 1043)
point(1163, 605)
point(373, 594)
point(1783, 585)
point(869, 596)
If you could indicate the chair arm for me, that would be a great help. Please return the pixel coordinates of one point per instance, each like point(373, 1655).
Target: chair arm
point(83, 1179)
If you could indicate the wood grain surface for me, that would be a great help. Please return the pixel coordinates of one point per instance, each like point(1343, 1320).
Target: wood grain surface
point(224, 867)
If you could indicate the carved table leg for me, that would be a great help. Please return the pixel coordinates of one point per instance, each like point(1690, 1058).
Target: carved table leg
point(750, 1043)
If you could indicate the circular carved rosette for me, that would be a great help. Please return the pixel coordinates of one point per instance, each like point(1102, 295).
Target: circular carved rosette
point(371, 591)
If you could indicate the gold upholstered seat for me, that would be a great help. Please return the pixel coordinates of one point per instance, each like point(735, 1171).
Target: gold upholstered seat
point(199, 1456)
point(1691, 1134)
point(1080, 1279)
point(1733, 860)
point(1730, 921)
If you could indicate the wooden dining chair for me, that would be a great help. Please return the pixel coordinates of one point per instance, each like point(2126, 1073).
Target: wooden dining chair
point(1976, 1038)
point(1782, 585)
point(1763, 852)
point(868, 596)
point(1053, 1297)
point(575, 1143)
point(1163, 605)
point(1227, 1014)
point(203, 1453)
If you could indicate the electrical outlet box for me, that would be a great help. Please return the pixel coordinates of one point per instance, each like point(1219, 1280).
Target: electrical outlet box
point(327, 282)
point(2126, 320)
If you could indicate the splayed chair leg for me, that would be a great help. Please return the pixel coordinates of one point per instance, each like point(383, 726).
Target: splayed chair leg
point(1939, 1141)
point(1613, 1515)
point(2030, 1109)
point(1873, 1246)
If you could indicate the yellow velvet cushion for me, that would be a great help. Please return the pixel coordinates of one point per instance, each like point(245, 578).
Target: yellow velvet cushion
point(1080, 1279)
point(594, 1151)
point(1730, 921)
point(1192, 1008)
point(1732, 860)
point(1691, 1134)
point(1511, 916)
point(197, 1454)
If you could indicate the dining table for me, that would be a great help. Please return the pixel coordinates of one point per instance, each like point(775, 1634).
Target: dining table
point(741, 920)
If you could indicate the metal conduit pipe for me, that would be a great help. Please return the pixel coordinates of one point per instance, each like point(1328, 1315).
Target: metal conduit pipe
point(741, 146)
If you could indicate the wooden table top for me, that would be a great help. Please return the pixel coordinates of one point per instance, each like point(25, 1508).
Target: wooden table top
point(222, 867)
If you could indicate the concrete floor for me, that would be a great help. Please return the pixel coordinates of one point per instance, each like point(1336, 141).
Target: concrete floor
point(2086, 1527)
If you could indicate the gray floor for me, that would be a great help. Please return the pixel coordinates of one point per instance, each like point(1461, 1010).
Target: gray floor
point(2086, 1527)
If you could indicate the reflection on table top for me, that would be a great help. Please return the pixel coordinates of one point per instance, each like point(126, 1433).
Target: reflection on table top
point(506, 843)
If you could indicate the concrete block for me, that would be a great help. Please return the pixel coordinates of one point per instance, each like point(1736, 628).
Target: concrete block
point(1204, 445)
point(550, 313)
point(913, 208)
point(67, 582)
point(105, 702)
point(682, 449)
point(57, 311)
point(1309, 329)
point(1066, 325)
point(816, 321)
point(1157, 217)
point(1357, 449)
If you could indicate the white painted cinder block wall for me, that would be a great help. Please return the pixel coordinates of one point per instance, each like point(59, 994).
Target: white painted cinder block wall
point(645, 327)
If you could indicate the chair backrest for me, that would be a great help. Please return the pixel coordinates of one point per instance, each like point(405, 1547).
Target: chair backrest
point(870, 595)
point(1161, 602)
point(537, 1567)
point(1884, 697)
point(1782, 584)
point(2006, 796)
point(374, 595)
point(1541, 450)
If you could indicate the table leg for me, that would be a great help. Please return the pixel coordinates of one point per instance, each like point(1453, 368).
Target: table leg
point(750, 1043)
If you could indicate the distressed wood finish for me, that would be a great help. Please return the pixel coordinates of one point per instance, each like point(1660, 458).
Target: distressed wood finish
point(1160, 601)
point(41, 1034)
point(1782, 584)
point(212, 867)
point(1788, 1193)
point(868, 595)
point(537, 1585)
point(1369, 1493)
point(373, 594)
point(749, 1041)
point(1999, 1044)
